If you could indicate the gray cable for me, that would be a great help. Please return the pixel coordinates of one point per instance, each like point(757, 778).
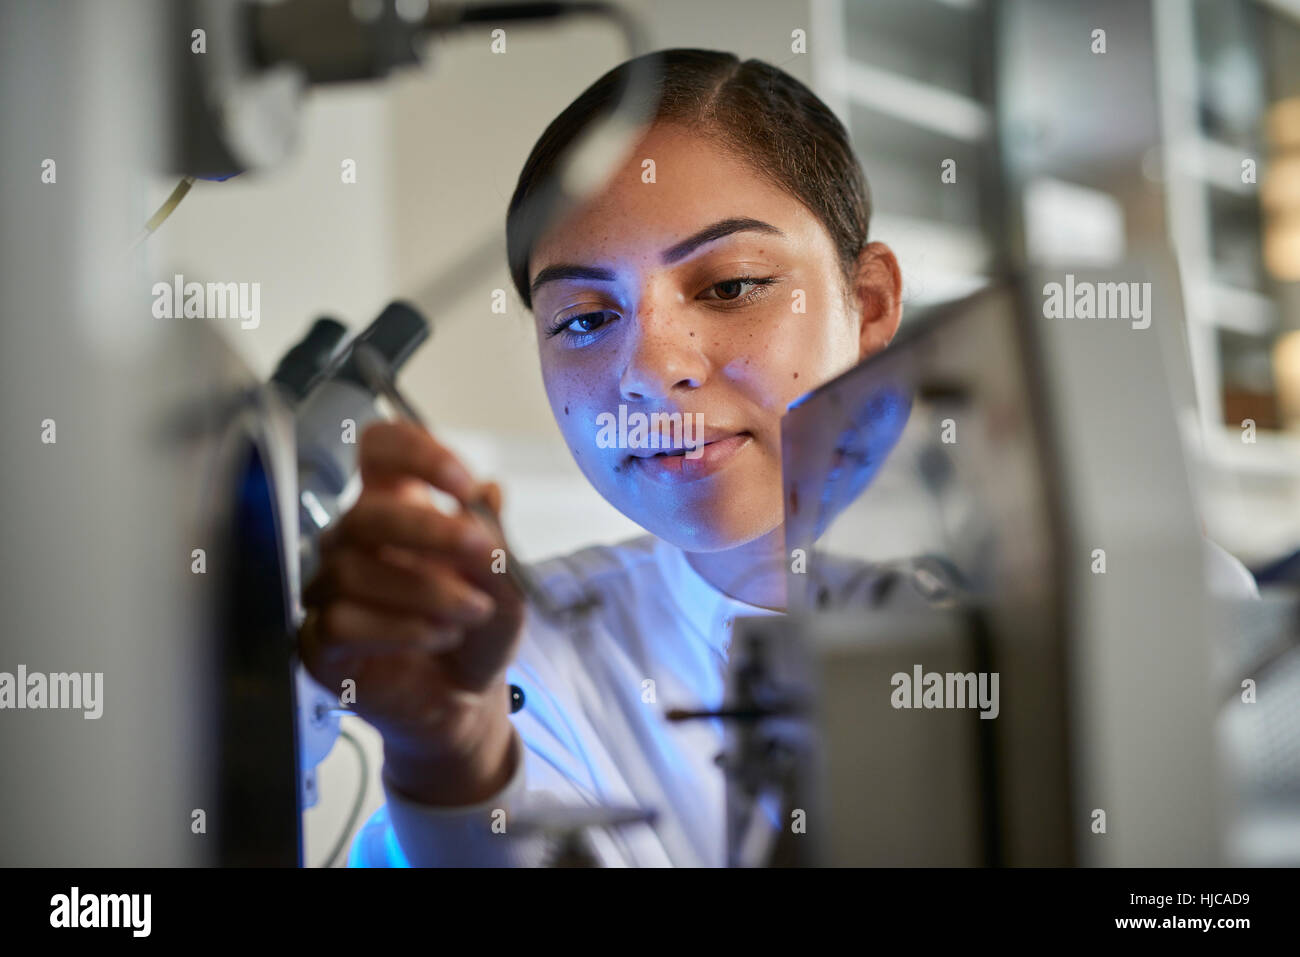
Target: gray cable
point(360, 799)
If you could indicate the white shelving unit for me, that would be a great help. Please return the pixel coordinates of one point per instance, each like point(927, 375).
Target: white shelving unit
point(1194, 165)
point(874, 66)
point(937, 237)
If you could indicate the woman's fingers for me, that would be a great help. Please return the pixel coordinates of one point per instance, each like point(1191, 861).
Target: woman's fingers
point(346, 628)
point(416, 587)
point(377, 520)
point(403, 450)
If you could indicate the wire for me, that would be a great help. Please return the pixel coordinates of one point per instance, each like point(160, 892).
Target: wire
point(360, 799)
point(164, 211)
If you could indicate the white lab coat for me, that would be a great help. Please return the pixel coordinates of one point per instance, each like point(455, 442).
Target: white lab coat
point(592, 728)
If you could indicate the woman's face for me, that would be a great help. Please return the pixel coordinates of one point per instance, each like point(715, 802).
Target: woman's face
point(707, 294)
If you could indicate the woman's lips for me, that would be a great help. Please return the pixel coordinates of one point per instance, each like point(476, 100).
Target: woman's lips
point(674, 469)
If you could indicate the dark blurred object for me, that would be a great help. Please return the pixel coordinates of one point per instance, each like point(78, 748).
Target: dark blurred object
point(1280, 571)
point(240, 96)
point(308, 358)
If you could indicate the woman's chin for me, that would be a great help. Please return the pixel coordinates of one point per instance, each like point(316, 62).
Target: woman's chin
point(700, 531)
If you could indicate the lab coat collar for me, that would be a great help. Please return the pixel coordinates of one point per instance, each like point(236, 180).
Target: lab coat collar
point(704, 609)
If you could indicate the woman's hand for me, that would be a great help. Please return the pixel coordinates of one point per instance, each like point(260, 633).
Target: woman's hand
point(406, 605)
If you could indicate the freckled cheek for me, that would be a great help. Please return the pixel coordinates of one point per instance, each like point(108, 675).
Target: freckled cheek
point(575, 409)
point(816, 356)
point(564, 385)
point(780, 369)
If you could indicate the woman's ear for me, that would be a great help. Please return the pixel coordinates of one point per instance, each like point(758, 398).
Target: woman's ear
point(879, 290)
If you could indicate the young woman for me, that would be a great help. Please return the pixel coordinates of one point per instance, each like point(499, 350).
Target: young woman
point(732, 281)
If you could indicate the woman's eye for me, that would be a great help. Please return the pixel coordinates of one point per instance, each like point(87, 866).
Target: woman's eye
point(580, 325)
point(731, 290)
point(588, 323)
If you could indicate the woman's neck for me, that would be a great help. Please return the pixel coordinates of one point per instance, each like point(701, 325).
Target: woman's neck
point(753, 573)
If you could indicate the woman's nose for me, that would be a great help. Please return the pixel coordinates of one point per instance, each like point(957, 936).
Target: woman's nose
point(664, 357)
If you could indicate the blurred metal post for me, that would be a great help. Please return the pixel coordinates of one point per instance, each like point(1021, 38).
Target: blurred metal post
point(97, 563)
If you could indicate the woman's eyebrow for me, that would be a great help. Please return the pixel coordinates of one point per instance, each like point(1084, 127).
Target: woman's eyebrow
point(723, 227)
point(678, 251)
point(570, 271)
